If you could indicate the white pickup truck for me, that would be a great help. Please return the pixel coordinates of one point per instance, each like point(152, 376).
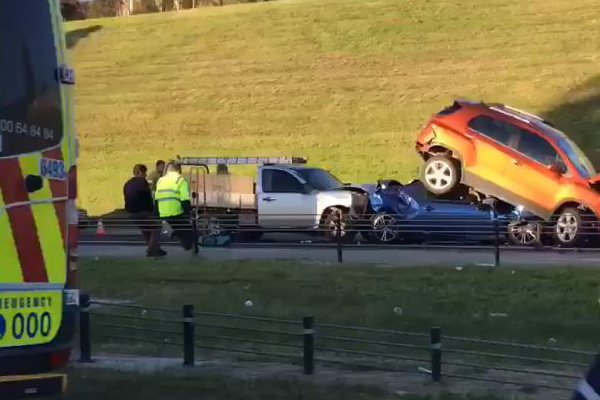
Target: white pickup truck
point(285, 194)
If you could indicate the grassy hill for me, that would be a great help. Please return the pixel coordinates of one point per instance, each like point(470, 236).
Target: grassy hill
point(347, 83)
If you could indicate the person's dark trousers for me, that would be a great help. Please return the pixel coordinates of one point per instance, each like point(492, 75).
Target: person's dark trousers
point(182, 228)
point(150, 226)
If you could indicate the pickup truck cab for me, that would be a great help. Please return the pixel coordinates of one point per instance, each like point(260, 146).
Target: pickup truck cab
point(298, 196)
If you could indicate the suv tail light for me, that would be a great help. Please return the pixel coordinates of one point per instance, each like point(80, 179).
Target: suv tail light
point(427, 135)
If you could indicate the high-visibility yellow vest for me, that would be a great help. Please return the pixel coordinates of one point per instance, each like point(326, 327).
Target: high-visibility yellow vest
point(171, 190)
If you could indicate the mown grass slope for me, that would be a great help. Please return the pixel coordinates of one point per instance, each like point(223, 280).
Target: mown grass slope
point(346, 82)
point(535, 306)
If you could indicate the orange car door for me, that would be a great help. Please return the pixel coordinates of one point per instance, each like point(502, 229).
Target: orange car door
point(487, 173)
point(536, 185)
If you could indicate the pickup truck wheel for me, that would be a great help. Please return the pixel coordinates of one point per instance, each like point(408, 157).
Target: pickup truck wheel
point(440, 174)
point(329, 225)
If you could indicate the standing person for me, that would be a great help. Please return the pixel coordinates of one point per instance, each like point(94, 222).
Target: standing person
point(589, 387)
point(173, 198)
point(156, 175)
point(140, 206)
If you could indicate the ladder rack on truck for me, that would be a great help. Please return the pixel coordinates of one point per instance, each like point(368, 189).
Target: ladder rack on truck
point(199, 161)
point(224, 191)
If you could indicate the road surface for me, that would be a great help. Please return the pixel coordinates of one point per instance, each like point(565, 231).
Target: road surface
point(401, 257)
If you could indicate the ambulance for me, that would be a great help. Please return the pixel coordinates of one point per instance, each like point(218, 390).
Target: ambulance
point(38, 212)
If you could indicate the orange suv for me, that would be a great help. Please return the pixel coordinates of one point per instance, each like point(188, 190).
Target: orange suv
point(516, 157)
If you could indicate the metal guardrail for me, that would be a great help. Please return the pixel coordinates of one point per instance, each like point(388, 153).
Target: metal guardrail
point(312, 343)
point(340, 231)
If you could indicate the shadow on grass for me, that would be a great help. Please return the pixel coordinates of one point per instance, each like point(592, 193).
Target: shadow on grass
point(578, 115)
point(75, 35)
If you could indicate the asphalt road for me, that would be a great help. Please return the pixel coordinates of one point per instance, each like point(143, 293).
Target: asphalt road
point(400, 257)
point(125, 242)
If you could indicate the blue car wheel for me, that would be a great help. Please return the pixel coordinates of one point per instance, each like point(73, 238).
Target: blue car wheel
point(525, 233)
point(385, 229)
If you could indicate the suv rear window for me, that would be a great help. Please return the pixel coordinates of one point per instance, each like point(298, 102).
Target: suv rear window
point(30, 100)
point(491, 127)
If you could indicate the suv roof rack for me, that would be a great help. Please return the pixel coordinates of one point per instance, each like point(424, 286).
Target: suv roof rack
point(515, 112)
point(520, 114)
point(523, 112)
point(241, 160)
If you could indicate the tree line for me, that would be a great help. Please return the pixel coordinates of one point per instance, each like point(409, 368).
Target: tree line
point(78, 9)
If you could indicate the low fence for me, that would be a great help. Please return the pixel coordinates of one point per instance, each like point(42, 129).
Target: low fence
point(309, 344)
point(493, 232)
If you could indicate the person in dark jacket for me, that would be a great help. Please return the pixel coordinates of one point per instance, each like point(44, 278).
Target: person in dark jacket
point(589, 387)
point(139, 203)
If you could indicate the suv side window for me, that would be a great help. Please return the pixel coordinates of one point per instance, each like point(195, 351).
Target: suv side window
point(538, 148)
point(30, 100)
point(276, 181)
point(491, 127)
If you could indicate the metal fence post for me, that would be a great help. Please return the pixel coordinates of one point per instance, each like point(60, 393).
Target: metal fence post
point(188, 335)
point(195, 237)
point(308, 334)
point(85, 343)
point(338, 229)
point(194, 221)
point(436, 353)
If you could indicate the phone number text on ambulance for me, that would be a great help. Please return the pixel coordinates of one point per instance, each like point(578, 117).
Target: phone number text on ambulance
point(25, 129)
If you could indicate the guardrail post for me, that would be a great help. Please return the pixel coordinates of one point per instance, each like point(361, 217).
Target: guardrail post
point(188, 335)
point(308, 334)
point(338, 229)
point(85, 343)
point(436, 353)
point(195, 237)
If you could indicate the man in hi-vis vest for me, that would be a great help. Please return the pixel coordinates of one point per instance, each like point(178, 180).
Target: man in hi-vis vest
point(173, 199)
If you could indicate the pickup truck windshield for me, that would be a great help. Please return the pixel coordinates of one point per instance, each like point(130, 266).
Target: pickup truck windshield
point(30, 102)
point(318, 178)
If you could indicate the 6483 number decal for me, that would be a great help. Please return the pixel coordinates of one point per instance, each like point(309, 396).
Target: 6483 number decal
point(52, 169)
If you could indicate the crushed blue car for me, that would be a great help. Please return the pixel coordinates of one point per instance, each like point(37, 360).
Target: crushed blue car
point(409, 213)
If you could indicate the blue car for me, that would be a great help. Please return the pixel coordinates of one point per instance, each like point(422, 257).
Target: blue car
point(410, 213)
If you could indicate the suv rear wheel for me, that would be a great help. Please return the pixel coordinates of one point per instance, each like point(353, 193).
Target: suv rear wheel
point(440, 174)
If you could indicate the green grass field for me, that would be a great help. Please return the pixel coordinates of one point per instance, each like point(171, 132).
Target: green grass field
point(347, 83)
point(538, 306)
